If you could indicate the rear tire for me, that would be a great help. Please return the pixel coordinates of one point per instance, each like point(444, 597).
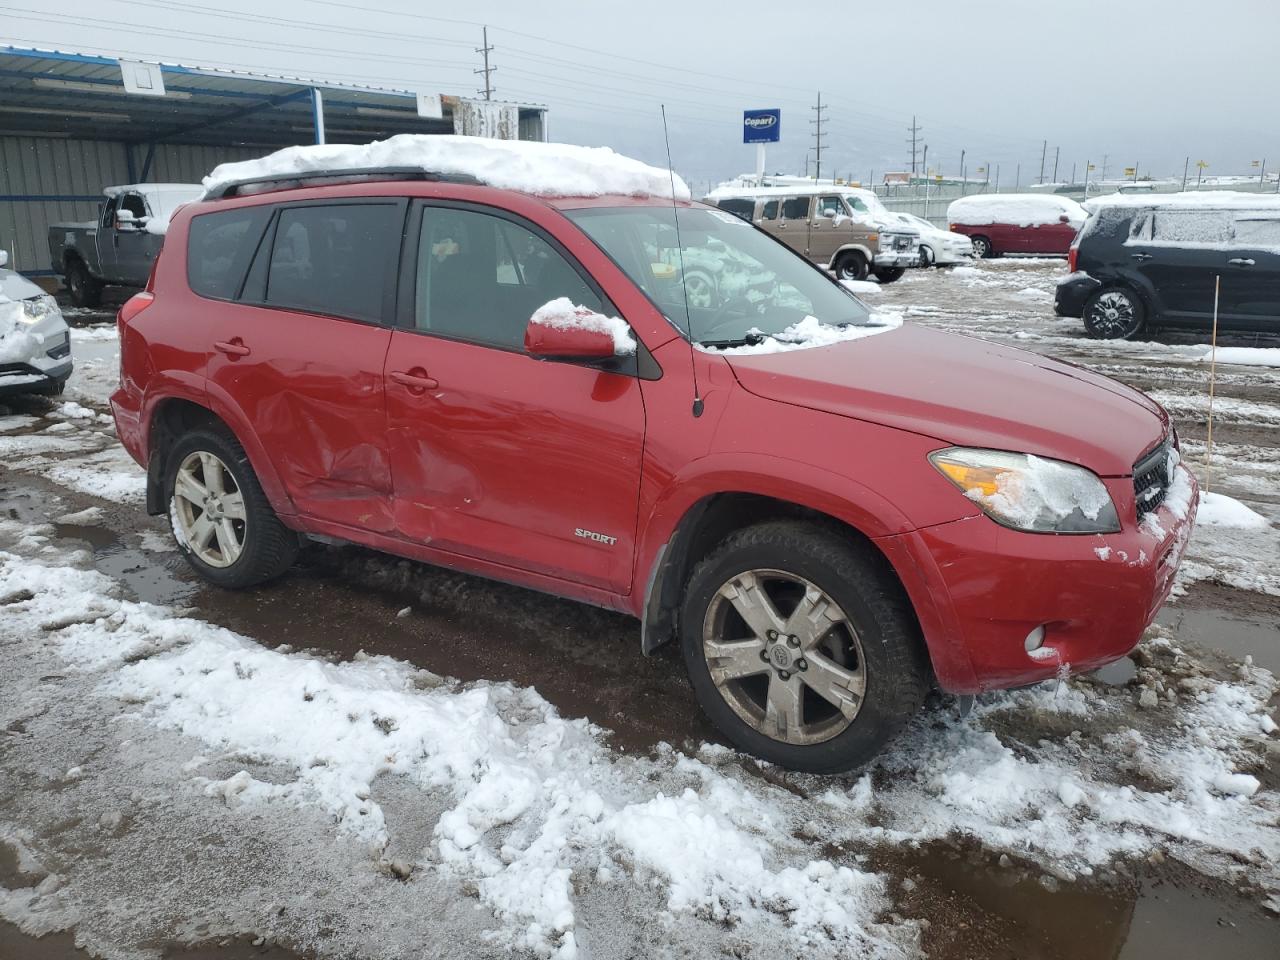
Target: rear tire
point(249, 545)
point(1114, 313)
point(866, 651)
point(84, 289)
point(927, 259)
point(982, 248)
point(851, 265)
point(889, 274)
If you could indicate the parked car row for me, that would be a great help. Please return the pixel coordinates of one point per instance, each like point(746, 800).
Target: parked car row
point(35, 345)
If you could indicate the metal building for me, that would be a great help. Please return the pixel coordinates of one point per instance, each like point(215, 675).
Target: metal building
point(72, 124)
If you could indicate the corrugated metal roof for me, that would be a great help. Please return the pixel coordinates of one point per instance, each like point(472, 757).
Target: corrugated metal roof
point(62, 94)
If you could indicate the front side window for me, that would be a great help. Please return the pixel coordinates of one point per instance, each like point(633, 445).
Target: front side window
point(219, 248)
point(335, 260)
point(830, 207)
point(748, 284)
point(133, 203)
point(481, 277)
point(109, 212)
point(770, 211)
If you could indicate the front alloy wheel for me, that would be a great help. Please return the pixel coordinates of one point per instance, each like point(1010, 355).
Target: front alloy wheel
point(208, 510)
point(784, 656)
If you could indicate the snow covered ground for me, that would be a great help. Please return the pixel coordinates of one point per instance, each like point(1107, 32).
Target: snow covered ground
point(176, 772)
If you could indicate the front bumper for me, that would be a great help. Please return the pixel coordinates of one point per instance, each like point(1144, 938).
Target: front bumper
point(898, 258)
point(980, 589)
point(16, 378)
point(1071, 293)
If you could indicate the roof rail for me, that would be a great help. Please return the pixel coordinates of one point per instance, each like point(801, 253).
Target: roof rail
point(294, 181)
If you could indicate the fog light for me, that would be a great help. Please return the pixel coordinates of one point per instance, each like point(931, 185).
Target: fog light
point(1034, 639)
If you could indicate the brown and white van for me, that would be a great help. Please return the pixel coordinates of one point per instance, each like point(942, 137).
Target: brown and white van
point(831, 225)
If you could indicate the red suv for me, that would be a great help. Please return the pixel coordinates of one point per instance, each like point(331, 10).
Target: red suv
point(830, 513)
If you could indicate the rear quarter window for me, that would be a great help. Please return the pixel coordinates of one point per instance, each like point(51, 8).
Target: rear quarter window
point(219, 248)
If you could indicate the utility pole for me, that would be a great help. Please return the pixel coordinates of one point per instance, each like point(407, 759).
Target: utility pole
point(1104, 166)
point(915, 139)
point(1056, 151)
point(1073, 174)
point(817, 136)
point(1043, 152)
point(1017, 180)
point(1262, 174)
point(486, 50)
point(924, 165)
point(997, 187)
point(963, 179)
point(1185, 164)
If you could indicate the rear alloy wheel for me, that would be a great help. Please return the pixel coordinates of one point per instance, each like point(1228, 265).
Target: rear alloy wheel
point(982, 248)
point(802, 647)
point(889, 274)
point(1114, 313)
point(220, 517)
point(851, 265)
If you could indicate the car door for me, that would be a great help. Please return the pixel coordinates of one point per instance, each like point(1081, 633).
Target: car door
point(134, 246)
point(104, 238)
point(830, 228)
point(1251, 274)
point(496, 456)
point(1177, 254)
point(300, 354)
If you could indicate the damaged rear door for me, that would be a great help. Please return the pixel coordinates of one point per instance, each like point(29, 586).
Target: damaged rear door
point(302, 354)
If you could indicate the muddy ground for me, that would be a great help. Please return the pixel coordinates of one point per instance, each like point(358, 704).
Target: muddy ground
point(972, 901)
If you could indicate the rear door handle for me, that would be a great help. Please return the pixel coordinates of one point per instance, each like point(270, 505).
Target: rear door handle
point(416, 380)
point(232, 348)
point(1241, 261)
point(1140, 256)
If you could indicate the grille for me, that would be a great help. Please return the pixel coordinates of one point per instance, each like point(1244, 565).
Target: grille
point(1151, 479)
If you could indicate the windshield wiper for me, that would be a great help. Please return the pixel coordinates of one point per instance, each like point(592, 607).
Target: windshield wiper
point(746, 340)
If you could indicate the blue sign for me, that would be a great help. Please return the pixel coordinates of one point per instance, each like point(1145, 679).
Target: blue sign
point(761, 126)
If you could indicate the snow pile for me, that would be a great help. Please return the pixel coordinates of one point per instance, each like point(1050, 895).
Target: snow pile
point(1021, 209)
point(1221, 511)
point(810, 332)
point(535, 806)
point(563, 314)
point(1244, 356)
point(542, 169)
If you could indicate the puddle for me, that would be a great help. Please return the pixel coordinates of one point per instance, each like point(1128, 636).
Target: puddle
point(100, 538)
point(980, 909)
point(1116, 674)
point(1236, 633)
point(155, 579)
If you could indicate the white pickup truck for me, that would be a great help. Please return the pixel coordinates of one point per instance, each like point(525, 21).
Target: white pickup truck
point(121, 244)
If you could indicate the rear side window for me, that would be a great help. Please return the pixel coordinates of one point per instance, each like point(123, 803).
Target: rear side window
point(219, 248)
point(796, 208)
point(335, 260)
point(1258, 231)
point(739, 208)
point(1190, 227)
point(770, 211)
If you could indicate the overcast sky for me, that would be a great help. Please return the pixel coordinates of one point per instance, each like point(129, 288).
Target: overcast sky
point(1137, 82)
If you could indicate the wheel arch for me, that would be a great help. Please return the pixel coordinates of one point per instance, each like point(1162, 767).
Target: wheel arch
point(171, 417)
point(856, 248)
point(704, 523)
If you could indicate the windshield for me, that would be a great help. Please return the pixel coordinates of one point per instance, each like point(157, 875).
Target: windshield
point(739, 283)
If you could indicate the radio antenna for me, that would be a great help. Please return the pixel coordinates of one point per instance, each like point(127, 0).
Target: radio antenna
point(684, 289)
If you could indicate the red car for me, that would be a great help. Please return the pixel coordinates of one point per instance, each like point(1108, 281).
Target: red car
point(1019, 223)
point(829, 513)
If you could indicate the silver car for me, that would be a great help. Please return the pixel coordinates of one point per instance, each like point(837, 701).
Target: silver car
point(35, 344)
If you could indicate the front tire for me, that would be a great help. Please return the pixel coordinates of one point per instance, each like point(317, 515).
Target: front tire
point(982, 248)
point(851, 265)
point(889, 274)
point(220, 518)
point(802, 647)
point(84, 289)
point(1114, 313)
point(927, 259)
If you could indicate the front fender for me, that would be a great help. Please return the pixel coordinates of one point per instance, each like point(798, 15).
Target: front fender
point(858, 247)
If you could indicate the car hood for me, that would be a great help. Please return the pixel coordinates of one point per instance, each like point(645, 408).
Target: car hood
point(968, 392)
point(17, 287)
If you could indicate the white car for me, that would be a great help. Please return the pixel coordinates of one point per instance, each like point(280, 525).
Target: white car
point(938, 247)
point(35, 344)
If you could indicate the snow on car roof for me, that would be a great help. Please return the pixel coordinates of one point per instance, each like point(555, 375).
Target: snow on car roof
point(1024, 209)
point(725, 191)
point(1200, 199)
point(541, 169)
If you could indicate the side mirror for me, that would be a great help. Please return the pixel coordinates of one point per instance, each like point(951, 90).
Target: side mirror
point(545, 342)
point(127, 222)
point(4, 258)
point(1064, 219)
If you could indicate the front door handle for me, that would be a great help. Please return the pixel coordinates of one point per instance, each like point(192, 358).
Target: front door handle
point(1241, 261)
point(1140, 256)
point(416, 380)
point(232, 348)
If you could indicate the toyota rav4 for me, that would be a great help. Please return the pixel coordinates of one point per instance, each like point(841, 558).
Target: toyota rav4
point(481, 355)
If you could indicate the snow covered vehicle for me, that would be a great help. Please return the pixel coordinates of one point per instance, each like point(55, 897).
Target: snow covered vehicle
point(121, 244)
point(35, 345)
point(1022, 223)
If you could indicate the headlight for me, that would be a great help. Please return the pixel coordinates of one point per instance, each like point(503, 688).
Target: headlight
point(1030, 493)
point(38, 308)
